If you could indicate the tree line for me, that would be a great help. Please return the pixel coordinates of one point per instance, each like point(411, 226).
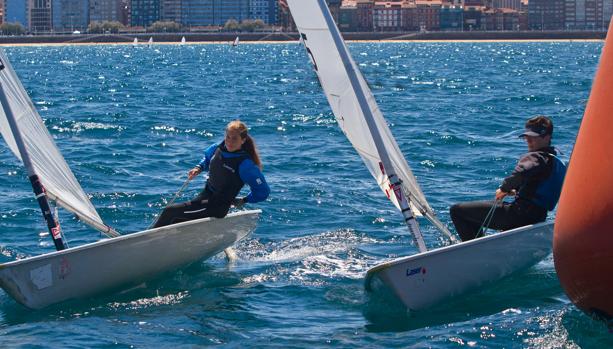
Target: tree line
point(247, 25)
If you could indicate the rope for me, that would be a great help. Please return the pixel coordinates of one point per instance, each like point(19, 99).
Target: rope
point(488, 219)
point(185, 184)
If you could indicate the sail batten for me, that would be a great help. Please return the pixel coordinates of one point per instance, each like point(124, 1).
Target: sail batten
point(48, 163)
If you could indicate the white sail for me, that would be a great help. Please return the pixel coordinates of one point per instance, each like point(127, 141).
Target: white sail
point(316, 35)
point(236, 41)
point(53, 171)
point(344, 103)
point(183, 40)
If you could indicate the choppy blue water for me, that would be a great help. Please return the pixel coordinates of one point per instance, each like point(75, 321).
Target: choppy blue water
point(132, 121)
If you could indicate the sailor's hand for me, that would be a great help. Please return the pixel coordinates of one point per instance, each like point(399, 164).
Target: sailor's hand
point(500, 194)
point(193, 172)
point(238, 202)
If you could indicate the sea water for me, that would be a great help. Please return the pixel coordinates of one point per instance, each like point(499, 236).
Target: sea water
point(131, 121)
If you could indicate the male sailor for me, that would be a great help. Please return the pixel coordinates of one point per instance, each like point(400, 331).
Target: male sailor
point(535, 184)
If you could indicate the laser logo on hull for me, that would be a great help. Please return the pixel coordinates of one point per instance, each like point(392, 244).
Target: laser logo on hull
point(416, 271)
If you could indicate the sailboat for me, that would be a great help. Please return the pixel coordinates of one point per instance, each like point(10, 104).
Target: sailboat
point(112, 263)
point(235, 42)
point(150, 42)
point(135, 42)
point(183, 40)
point(428, 277)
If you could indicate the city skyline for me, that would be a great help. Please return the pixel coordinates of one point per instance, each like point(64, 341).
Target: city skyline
point(47, 16)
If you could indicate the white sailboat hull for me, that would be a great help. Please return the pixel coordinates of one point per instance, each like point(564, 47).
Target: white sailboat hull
point(426, 279)
point(84, 271)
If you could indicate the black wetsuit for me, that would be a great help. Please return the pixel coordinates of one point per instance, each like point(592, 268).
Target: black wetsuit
point(537, 178)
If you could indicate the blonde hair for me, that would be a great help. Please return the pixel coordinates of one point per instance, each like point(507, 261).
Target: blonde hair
point(249, 145)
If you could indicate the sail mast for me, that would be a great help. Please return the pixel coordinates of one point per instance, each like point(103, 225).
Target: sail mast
point(386, 162)
point(39, 191)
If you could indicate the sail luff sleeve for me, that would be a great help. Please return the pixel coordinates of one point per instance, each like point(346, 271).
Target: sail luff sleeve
point(52, 224)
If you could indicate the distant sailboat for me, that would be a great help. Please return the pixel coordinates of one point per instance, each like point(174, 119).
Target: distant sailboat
point(428, 277)
point(183, 40)
point(150, 42)
point(84, 271)
point(135, 42)
point(235, 42)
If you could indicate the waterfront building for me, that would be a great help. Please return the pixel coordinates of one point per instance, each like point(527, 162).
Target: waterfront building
point(471, 17)
point(364, 15)
point(284, 17)
point(409, 17)
point(70, 15)
point(198, 13)
point(546, 14)
point(451, 17)
point(16, 11)
point(428, 14)
point(213, 12)
point(231, 9)
point(334, 6)
point(39, 15)
point(387, 16)
point(501, 19)
point(143, 13)
point(421, 15)
point(124, 12)
point(523, 19)
point(587, 14)
point(607, 9)
point(512, 4)
point(348, 16)
point(105, 10)
point(170, 10)
point(285, 20)
point(266, 10)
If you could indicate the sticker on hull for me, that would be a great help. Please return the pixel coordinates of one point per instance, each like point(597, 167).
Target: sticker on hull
point(42, 277)
point(416, 271)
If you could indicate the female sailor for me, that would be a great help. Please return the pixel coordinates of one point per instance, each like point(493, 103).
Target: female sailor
point(230, 163)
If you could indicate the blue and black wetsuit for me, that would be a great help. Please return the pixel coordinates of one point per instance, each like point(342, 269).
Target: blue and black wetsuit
point(537, 178)
point(228, 173)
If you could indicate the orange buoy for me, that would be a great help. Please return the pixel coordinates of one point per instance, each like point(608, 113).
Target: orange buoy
point(583, 233)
